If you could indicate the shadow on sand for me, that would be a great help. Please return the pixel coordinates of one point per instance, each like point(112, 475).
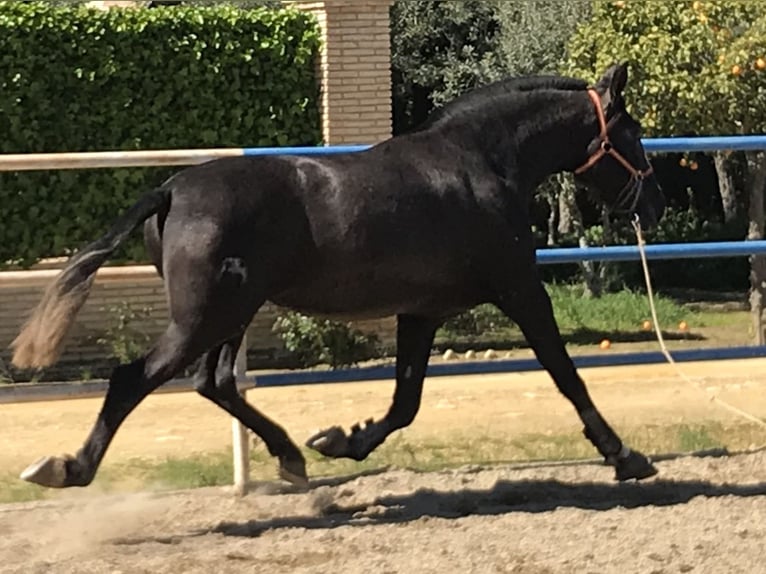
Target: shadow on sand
point(531, 496)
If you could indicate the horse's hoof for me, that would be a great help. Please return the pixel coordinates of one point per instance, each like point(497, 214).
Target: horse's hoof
point(635, 465)
point(294, 472)
point(47, 471)
point(332, 442)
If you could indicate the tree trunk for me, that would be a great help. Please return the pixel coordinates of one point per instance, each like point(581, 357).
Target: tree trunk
point(553, 216)
point(726, 187)
point(566, 201)
point(603, 266)
point(756, 167)
point(568, 206)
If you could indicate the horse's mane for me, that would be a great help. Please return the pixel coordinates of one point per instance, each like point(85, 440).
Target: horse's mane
point(504, 89)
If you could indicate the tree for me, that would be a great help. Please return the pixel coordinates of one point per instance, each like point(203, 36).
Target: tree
point(534, 33)
point(440, 49)
point(697, 67)
point(675, 50)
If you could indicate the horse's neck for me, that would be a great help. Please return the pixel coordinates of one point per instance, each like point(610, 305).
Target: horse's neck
point(549, 133)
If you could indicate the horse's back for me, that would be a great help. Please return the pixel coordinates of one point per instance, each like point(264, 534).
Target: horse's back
point(389, 230)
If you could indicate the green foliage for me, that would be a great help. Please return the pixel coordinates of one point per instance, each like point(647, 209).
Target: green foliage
point(680, 56)
point(439, 50)
point(195, 471)
point(739, 78)
point(237, 3)
point(535, 33)
point(124, 341)
point(315, 341)
point(693, 438)
point(696, 68)
point(621, 311)
point(624, 310)
point(74, 78)
point(442, 49)
point(6, 376)
point(683, 226)
point(477, 321)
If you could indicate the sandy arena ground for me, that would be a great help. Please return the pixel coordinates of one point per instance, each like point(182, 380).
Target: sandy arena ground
point(697, 515)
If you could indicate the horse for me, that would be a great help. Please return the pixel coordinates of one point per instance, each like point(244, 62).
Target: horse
point(422, 226)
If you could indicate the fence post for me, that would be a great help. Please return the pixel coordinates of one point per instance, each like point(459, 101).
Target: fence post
point(240, 443)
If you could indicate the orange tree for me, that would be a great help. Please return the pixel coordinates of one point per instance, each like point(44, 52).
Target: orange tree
point(679, 54)
point(682, 66)
point(739, 80)
point(697, 68)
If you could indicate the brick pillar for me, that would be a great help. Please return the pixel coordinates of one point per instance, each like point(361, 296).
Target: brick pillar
point(355, 69)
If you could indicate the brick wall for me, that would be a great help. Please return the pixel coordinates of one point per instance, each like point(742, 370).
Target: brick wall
point(354, 68)
point(140, 286)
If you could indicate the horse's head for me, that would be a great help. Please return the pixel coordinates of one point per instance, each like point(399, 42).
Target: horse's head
point(617, 168)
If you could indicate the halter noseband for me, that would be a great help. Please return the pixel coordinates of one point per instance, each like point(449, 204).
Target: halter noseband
point(606, 148)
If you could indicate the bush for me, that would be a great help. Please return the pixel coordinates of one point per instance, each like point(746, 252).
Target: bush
point(315, 341)
point(74, 78)
point(475, 322)
point(124, 341)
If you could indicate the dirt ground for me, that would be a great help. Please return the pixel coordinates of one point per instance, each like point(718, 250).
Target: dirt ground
point(697, 515)
point(704, 515)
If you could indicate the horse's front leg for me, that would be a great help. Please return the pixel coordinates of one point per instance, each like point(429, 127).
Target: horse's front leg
point(530, 307)
point(414, 337)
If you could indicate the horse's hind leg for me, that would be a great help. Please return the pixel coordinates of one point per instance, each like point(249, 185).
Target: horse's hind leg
point(414, 337)
point(215, 380)
point(531, 309)
point(128, 386)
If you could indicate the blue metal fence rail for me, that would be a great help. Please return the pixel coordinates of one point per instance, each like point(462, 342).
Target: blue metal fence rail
point(653, 251)
point(376, 373)
point(553, 256)
point(568, 255)
point(651, 145)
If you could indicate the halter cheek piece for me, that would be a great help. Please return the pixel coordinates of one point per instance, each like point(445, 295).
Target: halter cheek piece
point(606, 148)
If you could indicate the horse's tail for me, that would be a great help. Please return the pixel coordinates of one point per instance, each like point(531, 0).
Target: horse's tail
point(40, 340)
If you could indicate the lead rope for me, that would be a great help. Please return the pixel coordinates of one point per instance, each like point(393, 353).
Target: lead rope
point(713, 397)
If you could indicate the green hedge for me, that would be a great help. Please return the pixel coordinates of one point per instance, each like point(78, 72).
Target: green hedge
point(81, 79)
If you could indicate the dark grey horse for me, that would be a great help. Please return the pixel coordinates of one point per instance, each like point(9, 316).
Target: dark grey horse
point(422, 226)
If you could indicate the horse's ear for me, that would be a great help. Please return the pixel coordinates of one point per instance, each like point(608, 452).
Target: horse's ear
point(614, 80)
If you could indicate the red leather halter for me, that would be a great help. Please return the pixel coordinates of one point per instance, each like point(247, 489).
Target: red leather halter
point(606, 148)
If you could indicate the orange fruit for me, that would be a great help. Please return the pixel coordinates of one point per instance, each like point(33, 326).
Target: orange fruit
point(646, 325)
point(736, 70)
point(760, 63)
point(683, 326)
point(605, 344)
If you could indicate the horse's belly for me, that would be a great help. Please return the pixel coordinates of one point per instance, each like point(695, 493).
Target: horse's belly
point(372, 293)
